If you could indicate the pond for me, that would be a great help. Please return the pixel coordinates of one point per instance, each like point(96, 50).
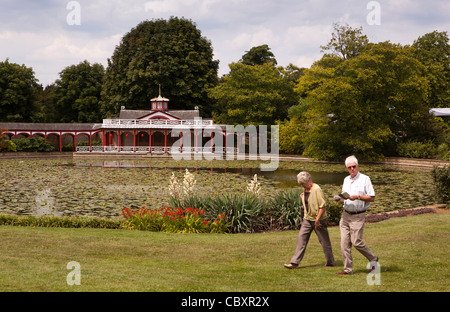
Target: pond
point(95, 187)
point(282, 178)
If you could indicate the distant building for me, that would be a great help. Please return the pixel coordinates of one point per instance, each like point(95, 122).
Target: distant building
point(133, 131)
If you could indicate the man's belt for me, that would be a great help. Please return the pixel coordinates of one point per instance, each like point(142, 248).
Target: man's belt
point(353, 213)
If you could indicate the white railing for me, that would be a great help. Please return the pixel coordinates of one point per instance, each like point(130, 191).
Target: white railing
point(153, 123)
point(157, 149)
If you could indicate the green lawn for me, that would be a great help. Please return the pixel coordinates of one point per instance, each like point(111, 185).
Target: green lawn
point(413, 254)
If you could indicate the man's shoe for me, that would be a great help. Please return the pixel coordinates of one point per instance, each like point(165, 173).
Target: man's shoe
point(291, 266)
point(343, 273)
point(373, 266)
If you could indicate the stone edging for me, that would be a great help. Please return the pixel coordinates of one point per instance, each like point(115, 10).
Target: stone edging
point(378, 217)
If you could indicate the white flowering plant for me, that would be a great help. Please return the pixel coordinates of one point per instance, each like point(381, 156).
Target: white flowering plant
point(254, 186)
point(182, 190)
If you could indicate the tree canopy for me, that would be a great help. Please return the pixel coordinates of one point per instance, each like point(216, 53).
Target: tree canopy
point(253, 94)
point(346, 42)
point(17, 92)
point(368, 98)
point(258, 56)
point(433, 50)
point(77, 93)
point(171, 53)
point(365, 103)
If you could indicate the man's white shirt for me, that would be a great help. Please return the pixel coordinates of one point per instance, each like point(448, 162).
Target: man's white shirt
point(359, 185)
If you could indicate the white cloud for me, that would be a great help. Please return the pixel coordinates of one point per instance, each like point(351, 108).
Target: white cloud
point(68, 47)
point(161, 7)
point(260, 35)
point(35, 33)
point(49, 53)
point(193, 8)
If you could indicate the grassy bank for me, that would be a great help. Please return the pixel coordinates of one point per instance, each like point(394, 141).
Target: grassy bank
point(413, 255)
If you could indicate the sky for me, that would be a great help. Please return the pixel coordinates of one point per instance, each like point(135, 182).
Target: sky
point(49, 35)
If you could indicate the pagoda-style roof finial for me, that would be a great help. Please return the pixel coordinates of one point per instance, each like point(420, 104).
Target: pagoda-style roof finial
point(160, 103)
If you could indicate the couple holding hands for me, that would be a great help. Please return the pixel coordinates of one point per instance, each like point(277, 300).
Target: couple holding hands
point(358, 193)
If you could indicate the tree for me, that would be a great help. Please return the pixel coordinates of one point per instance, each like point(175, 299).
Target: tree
point(365, 104)
point(171, 53)
point(433, 50)
point(253, 94)
point(259, 55)
point(77, 93)
point(17, 92)
point(346, 42)
point(291, 136)
point(45, 102)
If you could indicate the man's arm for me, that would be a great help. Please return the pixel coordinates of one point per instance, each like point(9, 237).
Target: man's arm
point(366, 198)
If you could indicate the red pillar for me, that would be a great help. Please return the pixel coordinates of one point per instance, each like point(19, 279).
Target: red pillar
point(165, 139)
point(118, 140)
point(103, 139)
point(211, 141)
point(196, 140)
point(150, 140)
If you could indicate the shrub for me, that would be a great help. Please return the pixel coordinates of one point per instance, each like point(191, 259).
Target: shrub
point(67, 147)
point(61, 222)
point(243, 212)
point(441, 177)
point(286, 210)
point(248, 213)
point(33, 144)
point(8, 146)
point(415, 149)
point(334, 211)
point(444, 151)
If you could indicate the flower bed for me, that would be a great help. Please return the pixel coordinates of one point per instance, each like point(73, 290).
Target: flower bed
point(173, 220)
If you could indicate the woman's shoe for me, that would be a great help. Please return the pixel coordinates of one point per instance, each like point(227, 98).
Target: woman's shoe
point(291, 266)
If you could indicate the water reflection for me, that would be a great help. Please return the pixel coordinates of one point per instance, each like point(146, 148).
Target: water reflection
point(283, 178)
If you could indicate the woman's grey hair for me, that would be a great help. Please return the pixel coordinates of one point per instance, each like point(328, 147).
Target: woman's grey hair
point(303, 177)
point(350, 159)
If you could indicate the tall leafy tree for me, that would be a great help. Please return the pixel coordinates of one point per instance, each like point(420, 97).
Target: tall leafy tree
point(433, 50)
point(77, 93)
point(253, 94)
point(46, 105)
point(259, 55)
point(17, 92)
point(346, 42)
point(171, 53)
point(364, 104)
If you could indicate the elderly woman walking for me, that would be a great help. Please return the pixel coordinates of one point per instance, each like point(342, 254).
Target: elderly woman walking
point(315, 218)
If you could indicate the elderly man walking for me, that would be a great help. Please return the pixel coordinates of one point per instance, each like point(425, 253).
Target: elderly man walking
point(360, 192)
